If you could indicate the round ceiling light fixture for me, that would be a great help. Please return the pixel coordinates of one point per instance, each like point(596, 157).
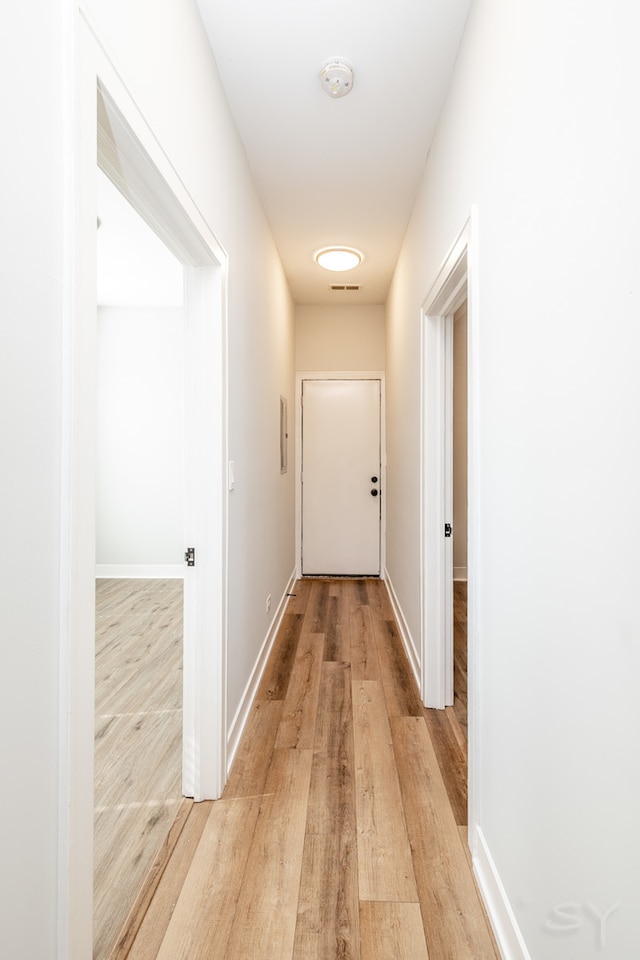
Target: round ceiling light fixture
point(338, 258)
point(336, 78)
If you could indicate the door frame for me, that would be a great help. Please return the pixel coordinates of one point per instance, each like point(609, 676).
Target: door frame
point(437, 487)
point(119, 139)
point(301, 376)
point(455, 282)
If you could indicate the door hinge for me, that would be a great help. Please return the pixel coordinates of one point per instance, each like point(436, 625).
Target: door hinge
point(448, 529)
point(190, 556)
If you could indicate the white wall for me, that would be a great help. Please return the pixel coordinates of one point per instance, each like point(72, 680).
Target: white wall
point(140, 437)
point(341, 337)
point(539, 131)
point(31, 323)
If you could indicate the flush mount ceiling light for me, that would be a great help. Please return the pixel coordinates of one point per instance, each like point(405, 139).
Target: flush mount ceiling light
point(336, 78)
point(338, 258)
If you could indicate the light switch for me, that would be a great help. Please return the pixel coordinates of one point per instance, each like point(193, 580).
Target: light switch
point(232, 474)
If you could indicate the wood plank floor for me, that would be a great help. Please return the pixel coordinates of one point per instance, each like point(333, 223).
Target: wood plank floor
point(448, 728)
point(138, 741)
point(338, 835)
point(460, 653)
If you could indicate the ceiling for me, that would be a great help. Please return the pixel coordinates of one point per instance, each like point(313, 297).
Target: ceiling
point(336, 171)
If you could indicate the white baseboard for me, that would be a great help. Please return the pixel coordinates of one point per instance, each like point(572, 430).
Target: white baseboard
point(236, 728)
point(460, 573)
point(140, 571)
point(503, 921)
point(405, 633)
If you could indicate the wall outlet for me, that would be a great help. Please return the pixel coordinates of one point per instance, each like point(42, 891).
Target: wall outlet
point(268, 603)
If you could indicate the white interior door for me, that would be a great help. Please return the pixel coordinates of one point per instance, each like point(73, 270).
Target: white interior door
point(341, 488)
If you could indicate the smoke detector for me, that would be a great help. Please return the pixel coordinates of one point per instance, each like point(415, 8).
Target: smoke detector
point(336, 78)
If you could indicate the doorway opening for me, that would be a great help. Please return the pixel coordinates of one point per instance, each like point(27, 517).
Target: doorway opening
point(139, 548)
point(128, 165)
point(191, 476)
point(159, 198)
point(449, 494)
point(108, 127)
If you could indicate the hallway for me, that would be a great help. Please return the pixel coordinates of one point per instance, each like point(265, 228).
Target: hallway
point(336, 835)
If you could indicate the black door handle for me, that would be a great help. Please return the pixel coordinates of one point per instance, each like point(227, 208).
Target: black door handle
point(374, 493)
point(374, 479)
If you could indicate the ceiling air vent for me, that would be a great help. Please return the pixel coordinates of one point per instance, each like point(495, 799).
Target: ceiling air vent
point(335, 287)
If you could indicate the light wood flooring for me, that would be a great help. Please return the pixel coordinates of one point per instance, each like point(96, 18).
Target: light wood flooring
point(340, 833)
point(138, 741)
point(460, 653)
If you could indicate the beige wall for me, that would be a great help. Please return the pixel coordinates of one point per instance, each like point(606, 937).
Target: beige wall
point(340, 337)
point(460, 443)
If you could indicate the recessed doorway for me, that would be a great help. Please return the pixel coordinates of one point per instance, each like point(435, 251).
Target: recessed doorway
point(453, 293)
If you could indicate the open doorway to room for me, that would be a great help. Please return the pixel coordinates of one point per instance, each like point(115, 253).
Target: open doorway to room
point(459, 514)
point(135, 163)
point(158, 444)
point(449, 540)
point(446, 584)
point(108, 126)
point(139, 547)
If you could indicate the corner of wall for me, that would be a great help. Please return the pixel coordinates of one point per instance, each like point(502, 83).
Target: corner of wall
point(407, 640)
point(239, 722)
point(501, 916)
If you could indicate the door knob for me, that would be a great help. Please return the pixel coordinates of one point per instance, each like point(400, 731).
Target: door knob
point(374, 493)
point(374, 479)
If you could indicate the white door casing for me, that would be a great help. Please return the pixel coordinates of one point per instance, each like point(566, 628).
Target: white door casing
point(341, 456)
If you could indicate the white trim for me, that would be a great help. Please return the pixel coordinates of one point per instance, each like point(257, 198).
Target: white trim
point(459, 573)
point(501, 916)
point(139, 571)
point(239, 722)
point(302, 375)
point(410, 646)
